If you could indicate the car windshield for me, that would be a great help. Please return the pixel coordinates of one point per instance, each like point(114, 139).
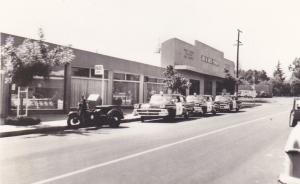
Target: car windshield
point(160, 99)
point(192, 98)
point(222, 98)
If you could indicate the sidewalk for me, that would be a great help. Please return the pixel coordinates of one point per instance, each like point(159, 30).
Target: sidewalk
point(50, 122)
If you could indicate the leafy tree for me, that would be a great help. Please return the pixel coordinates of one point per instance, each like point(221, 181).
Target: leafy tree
point(32, 58)
point(254, 76)
point(175, 81)
point(295, 68)
point(229, 82)
point(295, 86)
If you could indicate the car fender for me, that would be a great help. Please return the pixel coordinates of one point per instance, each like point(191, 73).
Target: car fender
point(116, 111)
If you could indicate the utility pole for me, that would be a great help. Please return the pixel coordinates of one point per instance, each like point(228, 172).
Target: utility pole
point(237, 60)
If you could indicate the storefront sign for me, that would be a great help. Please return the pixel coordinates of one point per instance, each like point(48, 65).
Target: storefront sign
point(99, 70)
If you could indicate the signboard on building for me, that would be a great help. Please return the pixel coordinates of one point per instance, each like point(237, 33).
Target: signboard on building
point(99, 70)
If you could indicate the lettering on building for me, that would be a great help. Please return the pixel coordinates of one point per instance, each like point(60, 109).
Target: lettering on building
point(208, 60)
point(188, 54)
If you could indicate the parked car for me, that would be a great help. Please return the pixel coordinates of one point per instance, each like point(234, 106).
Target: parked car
point(166, 106)
point(201, 104)
point(291, 174)
point(227, 103)
point(295, 112)
point(96, 114)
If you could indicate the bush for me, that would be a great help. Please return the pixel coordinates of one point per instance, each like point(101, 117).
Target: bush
point(22, 121)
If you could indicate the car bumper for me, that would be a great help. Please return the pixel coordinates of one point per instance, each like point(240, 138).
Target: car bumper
point(151, 112)
point(285, 179)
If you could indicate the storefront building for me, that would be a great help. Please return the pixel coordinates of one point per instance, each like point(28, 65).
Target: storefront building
point(125, 82)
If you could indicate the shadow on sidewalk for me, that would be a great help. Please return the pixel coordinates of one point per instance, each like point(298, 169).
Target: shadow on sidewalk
point(84, 131)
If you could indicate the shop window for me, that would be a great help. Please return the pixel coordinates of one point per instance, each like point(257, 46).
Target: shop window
point(99, 76)
point(42, 95)
point(125, 93)
point(132, 77)
point(80, 72)
point(119, 76)
point(154, 80)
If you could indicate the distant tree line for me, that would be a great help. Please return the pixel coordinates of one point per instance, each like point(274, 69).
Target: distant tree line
point(280, 85)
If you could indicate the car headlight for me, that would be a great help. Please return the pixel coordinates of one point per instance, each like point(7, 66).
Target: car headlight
point(136, 106)
point(92, 116)
point(162, 106)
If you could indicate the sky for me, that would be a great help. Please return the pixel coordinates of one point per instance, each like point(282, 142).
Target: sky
point(133, 29)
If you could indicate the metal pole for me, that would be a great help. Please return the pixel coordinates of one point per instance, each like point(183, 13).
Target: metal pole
point(237, 60)
point(102, 93)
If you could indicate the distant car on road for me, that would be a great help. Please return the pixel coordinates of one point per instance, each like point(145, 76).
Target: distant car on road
point(227, 103)
point(291, 175)
point(201, 104)
point(166, 106)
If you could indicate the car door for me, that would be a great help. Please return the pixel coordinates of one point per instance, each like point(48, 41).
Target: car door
point(179, 106)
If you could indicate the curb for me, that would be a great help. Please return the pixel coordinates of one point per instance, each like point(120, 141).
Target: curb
point(45, 129)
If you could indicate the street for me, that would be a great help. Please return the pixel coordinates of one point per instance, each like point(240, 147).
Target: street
point(244, 148)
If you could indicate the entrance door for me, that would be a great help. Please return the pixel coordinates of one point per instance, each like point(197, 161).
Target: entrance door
point(195, 87)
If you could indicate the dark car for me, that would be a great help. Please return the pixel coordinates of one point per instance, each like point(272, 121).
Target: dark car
point(201, 104)
point(227, 103)
point(166, 106)
point(295, 113)
point(96, 114)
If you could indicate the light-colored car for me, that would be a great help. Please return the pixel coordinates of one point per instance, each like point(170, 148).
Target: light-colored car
point(291, 174)
point(227, 103)
point(167, 106)
point(201, 104)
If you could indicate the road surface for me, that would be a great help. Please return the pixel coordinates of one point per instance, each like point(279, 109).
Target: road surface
point(242, 148)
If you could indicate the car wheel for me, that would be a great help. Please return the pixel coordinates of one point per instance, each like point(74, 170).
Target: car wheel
point(73, 121)
point(237, 110)
point(142, 119)
point(114, 120)
point(187, 115)
point(214, 112)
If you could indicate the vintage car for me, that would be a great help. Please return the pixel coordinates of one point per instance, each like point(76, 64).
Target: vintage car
point(295, 112)
point(166, 106)
point(227, 103)
point(96, 114)
point(291, 173)
point(201, 104)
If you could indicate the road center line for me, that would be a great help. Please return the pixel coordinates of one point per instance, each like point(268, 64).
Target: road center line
point(153, 150)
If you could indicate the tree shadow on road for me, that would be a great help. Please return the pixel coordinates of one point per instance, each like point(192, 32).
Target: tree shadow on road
point(83, 131)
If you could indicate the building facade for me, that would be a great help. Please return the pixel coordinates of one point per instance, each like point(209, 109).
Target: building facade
point(125, 82)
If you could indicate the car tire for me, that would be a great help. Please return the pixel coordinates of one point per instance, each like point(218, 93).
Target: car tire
point(187, 115)
point(74, 121)
point(214, 112)
point(114, 120)
point(142, 119)
point(237, 110)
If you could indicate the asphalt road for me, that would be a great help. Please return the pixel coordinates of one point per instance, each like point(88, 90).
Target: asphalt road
point(233, 148)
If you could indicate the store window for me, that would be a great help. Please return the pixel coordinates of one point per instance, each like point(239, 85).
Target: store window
point(119, 76)
point(132, 77)
point(153, 88)
point(99, 76)
point(42, 94)
point(80, 72)
point(125, 93)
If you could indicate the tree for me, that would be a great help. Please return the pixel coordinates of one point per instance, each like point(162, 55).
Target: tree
point(254, 76)
point(295, 68)
point(175, 81)
point(32, 58)
point(278, 81)
point(295, 86)
point(278, 73)
point(229, 82)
